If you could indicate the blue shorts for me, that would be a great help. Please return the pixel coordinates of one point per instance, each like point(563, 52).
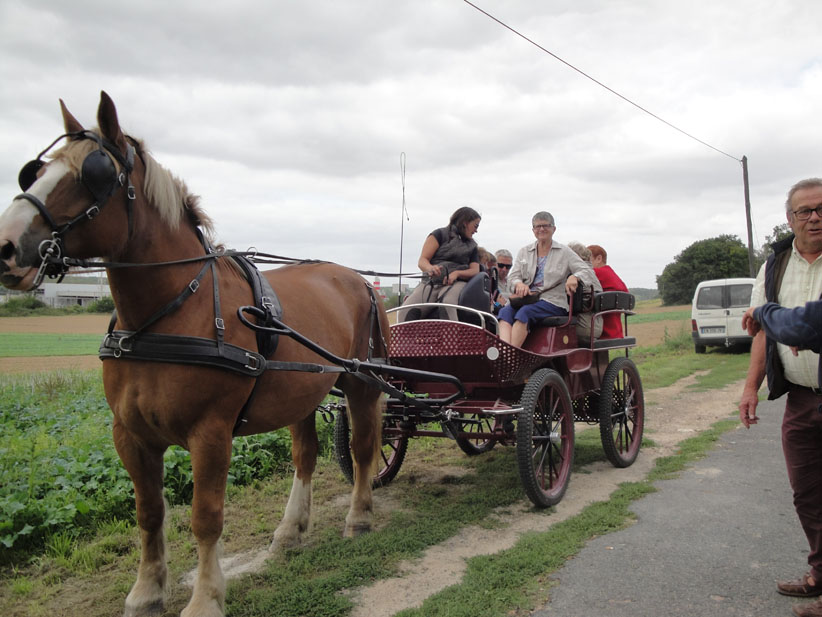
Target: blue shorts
point(530, 313)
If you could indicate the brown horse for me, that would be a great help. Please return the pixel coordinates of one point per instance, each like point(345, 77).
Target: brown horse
point(144, 215)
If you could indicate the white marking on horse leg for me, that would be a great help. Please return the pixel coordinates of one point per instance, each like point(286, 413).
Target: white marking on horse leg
point(147, 596)
point(297, 517)
point(208, 597)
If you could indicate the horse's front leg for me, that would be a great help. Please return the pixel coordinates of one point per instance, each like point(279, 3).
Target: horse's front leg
point(297, 517)
point(365, 407)
point(210, 459)
point(145, 466)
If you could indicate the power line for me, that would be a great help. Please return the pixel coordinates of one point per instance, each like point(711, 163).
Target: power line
point(599, 83)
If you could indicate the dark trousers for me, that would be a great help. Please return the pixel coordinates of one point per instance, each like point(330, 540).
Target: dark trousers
point(802, 445)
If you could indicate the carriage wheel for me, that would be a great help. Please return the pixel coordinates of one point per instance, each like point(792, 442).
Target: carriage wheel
point(621, 412)
point(392, 453)
point(545, 438)
point(479, 445)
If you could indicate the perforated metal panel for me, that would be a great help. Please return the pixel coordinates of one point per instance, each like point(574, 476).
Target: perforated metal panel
point(461, 350)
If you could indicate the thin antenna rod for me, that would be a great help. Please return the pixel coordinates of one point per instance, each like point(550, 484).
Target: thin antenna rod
point(403, 216)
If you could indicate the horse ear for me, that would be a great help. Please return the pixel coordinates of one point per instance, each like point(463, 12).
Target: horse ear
point(69, 122)
point(107, 119)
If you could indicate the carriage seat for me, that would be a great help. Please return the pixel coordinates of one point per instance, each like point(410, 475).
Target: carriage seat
point(576, 304)
point(477, 293)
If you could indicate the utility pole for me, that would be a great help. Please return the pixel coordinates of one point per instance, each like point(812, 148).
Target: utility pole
point(748, 216)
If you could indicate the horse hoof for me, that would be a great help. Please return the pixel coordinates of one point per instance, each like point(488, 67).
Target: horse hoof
point(352, 531)
point(152, 609)
point(280, 545)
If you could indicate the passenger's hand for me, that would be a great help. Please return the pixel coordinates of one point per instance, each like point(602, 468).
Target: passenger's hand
point(452, 278)
point(749, 323)
point(520, 290)
point(747, 408)
point(795, 351)
point(571, 284)
point(434, 272)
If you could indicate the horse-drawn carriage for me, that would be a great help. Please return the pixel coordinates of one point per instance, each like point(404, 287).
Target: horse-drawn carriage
point(180, 367)
point(466, 384)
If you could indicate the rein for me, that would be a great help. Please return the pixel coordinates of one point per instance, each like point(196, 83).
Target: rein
point(252, 255)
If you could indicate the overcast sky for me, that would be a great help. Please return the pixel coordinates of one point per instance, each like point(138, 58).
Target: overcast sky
point(289, 118)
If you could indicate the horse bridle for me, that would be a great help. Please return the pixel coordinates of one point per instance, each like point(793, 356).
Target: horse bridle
point(99, 175)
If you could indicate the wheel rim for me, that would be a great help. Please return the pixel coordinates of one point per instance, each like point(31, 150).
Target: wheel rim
point(388, 454)
point(622, 414)
point(625, 414)
point(545, 438)
point(551, 442)
point(477, 445)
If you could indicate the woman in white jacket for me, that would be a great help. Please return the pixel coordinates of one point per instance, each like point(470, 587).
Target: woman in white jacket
point(545, 273)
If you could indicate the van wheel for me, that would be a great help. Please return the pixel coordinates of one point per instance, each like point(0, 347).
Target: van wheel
point(699, 348)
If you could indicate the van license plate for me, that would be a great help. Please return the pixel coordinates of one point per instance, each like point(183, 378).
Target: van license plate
point(716, 330)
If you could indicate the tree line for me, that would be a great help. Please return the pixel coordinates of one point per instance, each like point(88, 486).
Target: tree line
point(715, 258)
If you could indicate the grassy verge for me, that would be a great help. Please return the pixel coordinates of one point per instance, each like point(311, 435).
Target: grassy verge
point(14, 345)
point(662, 365)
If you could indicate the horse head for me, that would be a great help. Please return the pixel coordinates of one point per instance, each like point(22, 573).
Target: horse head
point(80, 183)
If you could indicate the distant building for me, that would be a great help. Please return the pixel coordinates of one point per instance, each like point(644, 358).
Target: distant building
point(63, 294)
point(73, 291)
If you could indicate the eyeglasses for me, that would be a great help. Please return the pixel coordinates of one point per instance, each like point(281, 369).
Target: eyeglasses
point(504, 266)
point(805, 213)
point(537, 227)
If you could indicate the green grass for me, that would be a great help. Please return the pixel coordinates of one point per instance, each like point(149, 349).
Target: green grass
point(651, 317)
point(664, 364)
point(17, 345)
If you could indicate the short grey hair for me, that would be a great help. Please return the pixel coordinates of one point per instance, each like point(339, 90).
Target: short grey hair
point(580, 249)
point(504, 253)
point(808, 183)
point(542, 216)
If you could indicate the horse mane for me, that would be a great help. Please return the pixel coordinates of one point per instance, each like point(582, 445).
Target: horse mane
point(167, 193)
point(170, 195)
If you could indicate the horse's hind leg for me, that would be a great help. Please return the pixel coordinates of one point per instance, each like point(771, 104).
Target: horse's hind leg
point(145, 466)
point(210, 459)
point(365, 409)
point(297, 517)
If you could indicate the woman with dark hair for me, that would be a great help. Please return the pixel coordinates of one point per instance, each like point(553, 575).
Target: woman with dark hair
point(449, 258)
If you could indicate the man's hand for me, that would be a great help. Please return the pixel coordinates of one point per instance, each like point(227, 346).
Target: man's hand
point(747, 408)
point(749, 323)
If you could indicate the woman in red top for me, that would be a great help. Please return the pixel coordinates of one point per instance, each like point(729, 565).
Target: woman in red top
point(611, 324)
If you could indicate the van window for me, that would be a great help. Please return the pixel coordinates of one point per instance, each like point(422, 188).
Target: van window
point(711, 298)
point(740, 295)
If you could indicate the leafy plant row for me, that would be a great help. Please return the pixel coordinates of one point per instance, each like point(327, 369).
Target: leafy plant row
point(62, 474)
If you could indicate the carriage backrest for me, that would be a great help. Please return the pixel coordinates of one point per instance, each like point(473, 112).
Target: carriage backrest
point(614, 301)
point(477, 293)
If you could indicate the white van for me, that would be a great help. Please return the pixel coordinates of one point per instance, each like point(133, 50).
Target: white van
point(716, 313)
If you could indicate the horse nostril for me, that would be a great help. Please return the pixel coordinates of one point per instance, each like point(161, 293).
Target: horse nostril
point(7, 251)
